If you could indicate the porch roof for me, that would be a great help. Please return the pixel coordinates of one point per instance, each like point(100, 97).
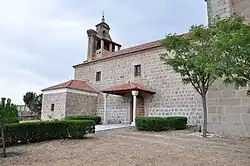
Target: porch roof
point(127, 87)
point(73, 84)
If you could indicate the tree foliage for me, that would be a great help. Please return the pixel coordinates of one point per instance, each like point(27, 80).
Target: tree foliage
point(205, 54)
point(33, 102)
point(233, 40)
point(8, 114)
point(193, 57)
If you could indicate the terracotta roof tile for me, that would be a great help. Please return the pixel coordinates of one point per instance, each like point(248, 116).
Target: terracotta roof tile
point(73, 84)
point(127, 87)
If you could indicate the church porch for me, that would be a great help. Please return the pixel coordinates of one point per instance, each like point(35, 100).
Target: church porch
point(138, 97)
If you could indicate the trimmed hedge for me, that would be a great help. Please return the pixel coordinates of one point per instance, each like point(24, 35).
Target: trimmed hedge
point(95, 118)
point(23, 133)
point(160, 123)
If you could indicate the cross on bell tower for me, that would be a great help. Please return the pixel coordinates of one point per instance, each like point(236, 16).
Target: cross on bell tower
point(103, 17)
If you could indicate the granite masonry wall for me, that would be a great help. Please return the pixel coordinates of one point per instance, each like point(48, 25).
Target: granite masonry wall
point(228, 110)
point(242, 7)
point(225, 8)
point(118, 109)
point(80, 104)
point(59, 101)
point(171, 98)
point(220, 8)
point(68, 102)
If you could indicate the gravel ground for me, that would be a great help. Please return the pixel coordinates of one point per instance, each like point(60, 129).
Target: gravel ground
point(134, 148)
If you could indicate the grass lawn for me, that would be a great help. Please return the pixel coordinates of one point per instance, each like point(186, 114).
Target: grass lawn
point(177, 148)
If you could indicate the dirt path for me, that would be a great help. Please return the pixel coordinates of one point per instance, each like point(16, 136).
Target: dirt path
point(134, 148)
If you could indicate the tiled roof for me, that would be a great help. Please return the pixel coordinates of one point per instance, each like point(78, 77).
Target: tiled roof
point(141, 47)
point(127, 87)
point(72, 84)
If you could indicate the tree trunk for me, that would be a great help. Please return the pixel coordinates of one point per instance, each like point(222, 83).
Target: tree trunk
point(3, 141)
point(204, 101)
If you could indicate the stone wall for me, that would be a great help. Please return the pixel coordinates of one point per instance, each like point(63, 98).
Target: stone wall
point(225, 8)
point(80, 104)
point(242, 7)
point(25, 113)
point(171, 98)
point(228, 110)
point(59, 101)
point(117, 107)
point(221, 8)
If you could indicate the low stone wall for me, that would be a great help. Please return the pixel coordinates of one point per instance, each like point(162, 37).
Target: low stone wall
point(25, 113)
point(113, 131)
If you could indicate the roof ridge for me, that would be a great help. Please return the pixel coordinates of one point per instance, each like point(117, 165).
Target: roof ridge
point(70, 82)
point(133, 49)
point(91, 86)
point(73, 84)
point(137, 45)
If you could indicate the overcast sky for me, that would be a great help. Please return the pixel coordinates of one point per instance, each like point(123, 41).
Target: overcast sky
point(40, 40)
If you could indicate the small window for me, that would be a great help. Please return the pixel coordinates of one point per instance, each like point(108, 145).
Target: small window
point(52, 107)
point(98, 76)
point(137, 70)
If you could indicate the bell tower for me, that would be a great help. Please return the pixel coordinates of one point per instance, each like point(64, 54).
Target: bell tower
point(100, 43)
point(218, 8)
point(225, 8)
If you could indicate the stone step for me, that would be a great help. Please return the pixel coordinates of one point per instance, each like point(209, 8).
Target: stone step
point(112, 131)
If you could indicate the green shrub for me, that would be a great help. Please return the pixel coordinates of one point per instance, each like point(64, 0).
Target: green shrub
point(95, 118)
point(160, 123)
point(23, 133)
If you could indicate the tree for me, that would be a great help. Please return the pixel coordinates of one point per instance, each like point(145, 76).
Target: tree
point(234, 41)
point(206, 54)
point(8, 114)
point(196, 59)
point(33, 102)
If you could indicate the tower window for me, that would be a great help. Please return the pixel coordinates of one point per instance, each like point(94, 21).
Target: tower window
point(137, 70)
point(106, 46)
point(98, 76)
point(98, 44)
point(52, 108)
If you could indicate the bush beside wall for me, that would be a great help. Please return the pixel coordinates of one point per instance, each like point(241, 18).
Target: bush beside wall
point(95, 118)
point(160, 123)
point(23, 133)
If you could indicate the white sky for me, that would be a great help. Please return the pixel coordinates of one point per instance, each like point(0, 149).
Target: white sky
point(42, 39)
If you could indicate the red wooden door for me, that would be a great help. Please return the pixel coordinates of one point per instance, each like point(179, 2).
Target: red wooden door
point(139, 107)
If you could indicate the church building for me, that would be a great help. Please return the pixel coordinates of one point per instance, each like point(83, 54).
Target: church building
point(120, 84)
